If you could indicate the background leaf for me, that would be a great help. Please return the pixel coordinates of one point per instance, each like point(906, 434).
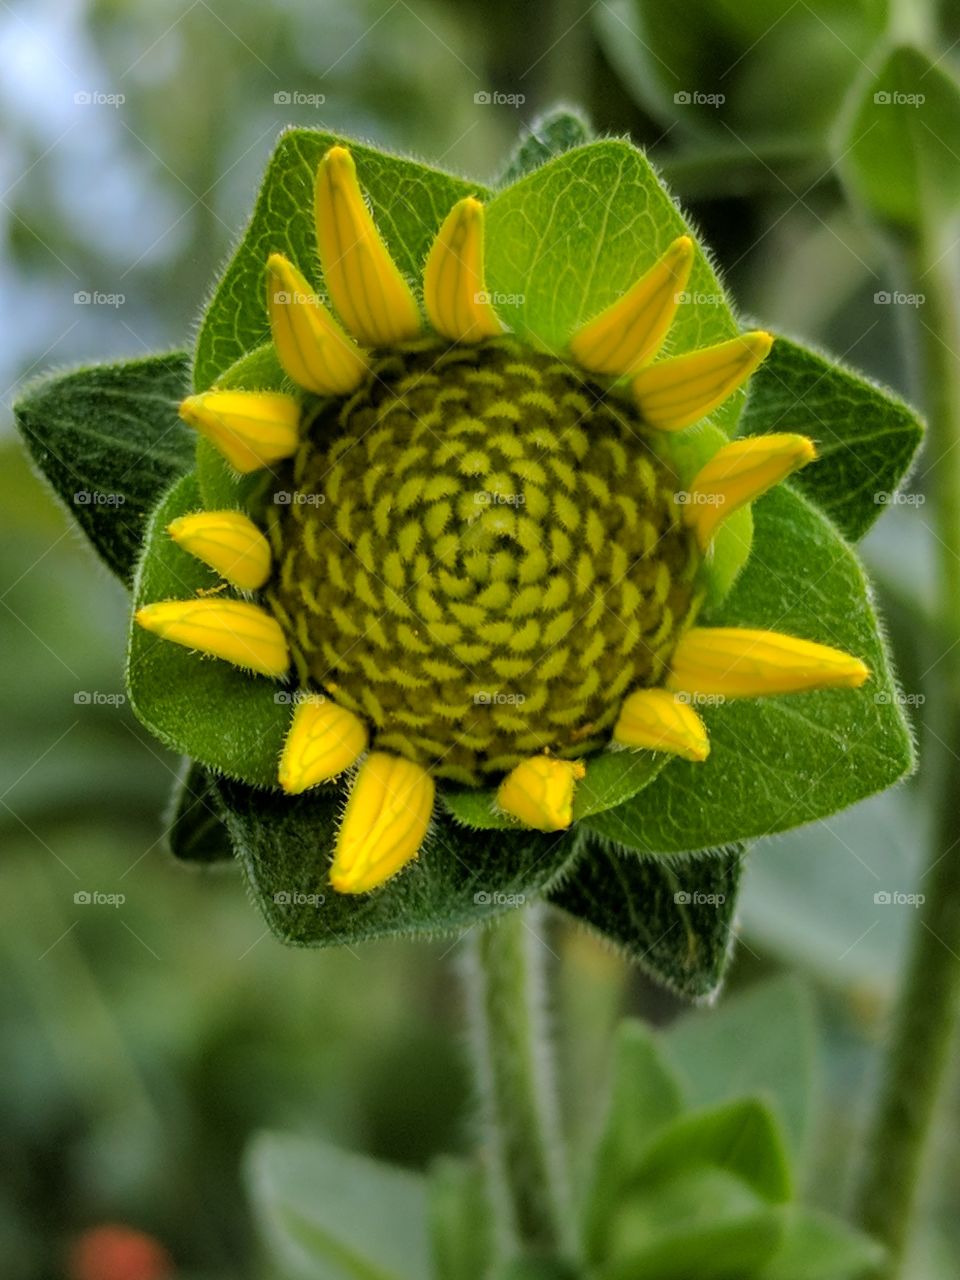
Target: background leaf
point(777, 763)
point(666, 1233)
point(897, 146)
point(110, 432)
point(744, 53)
point(811, 896)
point(535, 1269)
point(329, 1214)
point(673, 919)
point(776, 1020)
point(691, 1154)
point(461, 877)
point(209, 710)
point(409, 201)
point(817, 1247)
point(866, 436)
point(644, 1097)
point(742, 1138)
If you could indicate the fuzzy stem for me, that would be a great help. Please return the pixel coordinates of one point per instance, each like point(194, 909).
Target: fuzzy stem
point(504, 973)
point(925, 1017)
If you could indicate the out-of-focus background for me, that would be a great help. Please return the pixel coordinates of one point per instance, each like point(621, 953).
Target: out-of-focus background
point(143, 1042)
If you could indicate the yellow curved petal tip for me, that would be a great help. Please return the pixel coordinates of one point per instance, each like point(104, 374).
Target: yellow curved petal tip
point(313, 349)
point(367, 289)
point(736, 662)
point(673, 394)
point(454, 295)
point(738, 473)
point(323, 740)
point(252, 429)
point(234, 630)
point(539, 792)
point(384, 824)
point(229, 542)
point(630, 332)
point(661, 721)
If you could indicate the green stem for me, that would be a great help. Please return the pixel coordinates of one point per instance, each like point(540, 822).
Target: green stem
point(925, 1017)
point(505, 993)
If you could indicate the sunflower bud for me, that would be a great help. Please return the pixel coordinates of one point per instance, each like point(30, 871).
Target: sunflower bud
point(539, 792)
point(384, 825)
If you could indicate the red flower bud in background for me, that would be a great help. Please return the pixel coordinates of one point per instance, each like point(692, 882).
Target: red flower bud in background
point(118, 1253)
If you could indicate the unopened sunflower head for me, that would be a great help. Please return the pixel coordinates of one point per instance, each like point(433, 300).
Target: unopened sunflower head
point(491, 557)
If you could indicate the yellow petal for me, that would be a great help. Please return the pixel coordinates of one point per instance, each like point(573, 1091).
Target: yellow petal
point(252, 429)
point(675, 393)
point(234, 630)
point(311, 346)
point(739, 472)
point(662, 721)
point(736, 662)
point(227, 541)
point(630, 332)
point(453, 290)
point(323, 740)
point(539, 792)
point(385, 822)
point(372, 297)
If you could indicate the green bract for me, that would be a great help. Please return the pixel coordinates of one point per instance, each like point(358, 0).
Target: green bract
point(566, 236)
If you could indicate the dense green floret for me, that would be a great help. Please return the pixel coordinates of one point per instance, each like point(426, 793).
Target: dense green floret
point(479, 553)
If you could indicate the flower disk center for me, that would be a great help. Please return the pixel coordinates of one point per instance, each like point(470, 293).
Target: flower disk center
point(479, 554)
